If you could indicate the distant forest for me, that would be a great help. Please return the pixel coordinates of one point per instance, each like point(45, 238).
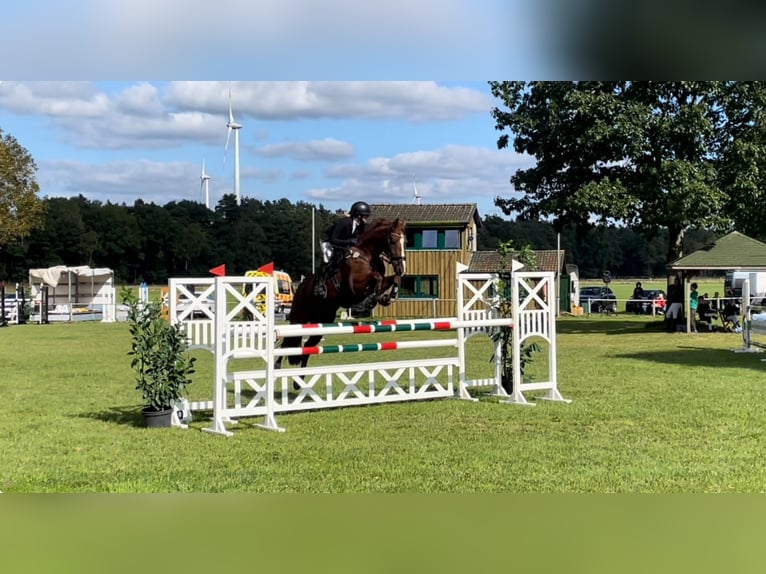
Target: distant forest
point(147, 242)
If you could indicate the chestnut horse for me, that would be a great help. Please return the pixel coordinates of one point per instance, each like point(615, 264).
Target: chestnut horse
point(359, 281)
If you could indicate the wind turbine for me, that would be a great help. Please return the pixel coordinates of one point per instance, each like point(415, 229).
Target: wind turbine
point(205, 183)
point(232, 125)
point(416, 196)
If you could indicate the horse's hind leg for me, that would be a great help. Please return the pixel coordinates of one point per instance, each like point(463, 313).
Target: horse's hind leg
point(312, 341)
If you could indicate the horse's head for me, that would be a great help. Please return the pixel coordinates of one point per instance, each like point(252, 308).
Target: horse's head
point(397, 239)
point(386, 238)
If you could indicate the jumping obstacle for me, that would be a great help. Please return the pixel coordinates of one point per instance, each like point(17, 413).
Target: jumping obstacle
point(267, 390)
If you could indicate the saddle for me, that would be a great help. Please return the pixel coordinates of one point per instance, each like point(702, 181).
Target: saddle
point(334, 272)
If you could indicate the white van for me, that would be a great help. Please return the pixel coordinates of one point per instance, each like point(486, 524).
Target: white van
point(734, 279)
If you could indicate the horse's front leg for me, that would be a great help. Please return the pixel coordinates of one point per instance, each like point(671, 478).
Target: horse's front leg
point(373, 289)
point(389, 289)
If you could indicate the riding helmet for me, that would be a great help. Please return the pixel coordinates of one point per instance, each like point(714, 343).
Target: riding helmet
point(359, 209)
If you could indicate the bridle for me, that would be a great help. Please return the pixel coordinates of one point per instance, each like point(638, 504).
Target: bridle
point(396, 261)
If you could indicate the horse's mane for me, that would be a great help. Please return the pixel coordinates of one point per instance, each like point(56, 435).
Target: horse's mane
point(376, 229)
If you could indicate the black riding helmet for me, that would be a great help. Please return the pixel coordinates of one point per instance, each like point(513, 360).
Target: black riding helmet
point(360, 209)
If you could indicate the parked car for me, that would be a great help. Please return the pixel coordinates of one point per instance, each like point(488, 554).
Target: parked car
point(644, 305)
point(598, 299)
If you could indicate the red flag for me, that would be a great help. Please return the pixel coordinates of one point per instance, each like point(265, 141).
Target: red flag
point(220, 270)
point(268, 268)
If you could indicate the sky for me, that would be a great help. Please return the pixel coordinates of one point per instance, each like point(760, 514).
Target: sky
point(328, 143)
point(353, 100)
point(338, 100)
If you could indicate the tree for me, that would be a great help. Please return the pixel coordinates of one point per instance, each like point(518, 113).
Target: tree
point(648, 155)
point(21, 210)
point(742, 166)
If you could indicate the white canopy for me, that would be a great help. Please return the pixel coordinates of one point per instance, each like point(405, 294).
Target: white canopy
point(70, 287)
point(61, 274)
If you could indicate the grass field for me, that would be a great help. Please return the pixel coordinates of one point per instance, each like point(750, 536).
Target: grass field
point(651, 412)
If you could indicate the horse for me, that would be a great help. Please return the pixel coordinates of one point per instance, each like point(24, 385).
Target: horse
point(360, 281)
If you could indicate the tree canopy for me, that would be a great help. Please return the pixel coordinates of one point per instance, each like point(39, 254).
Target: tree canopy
point(649, 155)
point(20, 207)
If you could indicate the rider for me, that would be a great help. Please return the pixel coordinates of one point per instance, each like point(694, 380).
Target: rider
point(342, 236)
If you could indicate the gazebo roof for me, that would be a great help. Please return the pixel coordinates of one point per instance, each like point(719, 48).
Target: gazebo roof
point(732, 252)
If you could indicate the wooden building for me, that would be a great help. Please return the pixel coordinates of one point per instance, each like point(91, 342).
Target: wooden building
point(438, 237)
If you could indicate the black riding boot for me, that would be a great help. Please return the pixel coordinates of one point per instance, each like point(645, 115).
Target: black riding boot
point(320, 285)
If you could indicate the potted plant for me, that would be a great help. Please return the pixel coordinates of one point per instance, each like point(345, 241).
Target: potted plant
point(160, 359)
point(504, 335)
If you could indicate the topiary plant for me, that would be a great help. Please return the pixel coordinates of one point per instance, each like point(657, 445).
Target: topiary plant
point(159, 354)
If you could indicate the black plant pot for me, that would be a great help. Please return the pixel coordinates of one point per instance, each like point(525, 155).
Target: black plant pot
point(157, 419)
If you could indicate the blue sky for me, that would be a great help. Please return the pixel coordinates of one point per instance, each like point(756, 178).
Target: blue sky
point(326, 143)
point(316, 125)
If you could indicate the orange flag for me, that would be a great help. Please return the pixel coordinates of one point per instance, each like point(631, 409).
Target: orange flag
point(268, 268)
point(220, 270)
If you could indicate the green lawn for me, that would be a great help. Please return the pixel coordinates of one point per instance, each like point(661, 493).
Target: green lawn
point(651, 412)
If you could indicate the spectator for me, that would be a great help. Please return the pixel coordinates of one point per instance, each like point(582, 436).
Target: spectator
point(693, 304)
point(638, 295)
point(660, 302)
point(731, 315)
point(705, 312)
point(675, 305)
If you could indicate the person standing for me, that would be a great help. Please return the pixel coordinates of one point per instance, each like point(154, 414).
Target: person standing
point(675, 305)
point(693, 304)
point(638, 297)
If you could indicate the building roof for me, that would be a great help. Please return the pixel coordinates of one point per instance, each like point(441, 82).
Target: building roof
point(429, 213)
point(491, 262)
point(732, 252)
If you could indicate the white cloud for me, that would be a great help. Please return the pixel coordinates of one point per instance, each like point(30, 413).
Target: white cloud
point(132, 119)
point(413, 101)
point(449, 162)
point(447, 175)
point(328, 149)
point(140, 116)
point(142, 100)
point(453, 174)
point(55, 99)
point(124, 181)
point(153, 181)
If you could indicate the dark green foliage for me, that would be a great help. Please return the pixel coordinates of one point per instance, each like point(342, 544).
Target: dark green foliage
point(649, 155)
point(183, 239)
point(159, 354)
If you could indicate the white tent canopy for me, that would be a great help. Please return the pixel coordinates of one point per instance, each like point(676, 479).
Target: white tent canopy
point(76, 287)
point(60, 274)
